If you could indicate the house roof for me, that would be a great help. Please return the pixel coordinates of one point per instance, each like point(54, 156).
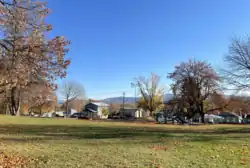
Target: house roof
point(213, 116)
point(91, 110)
point(100, 104)
point(228, 114)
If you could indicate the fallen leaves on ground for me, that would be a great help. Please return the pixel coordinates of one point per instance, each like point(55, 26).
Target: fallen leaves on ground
point(243, 161)
point(12, 160)
point(159, 147)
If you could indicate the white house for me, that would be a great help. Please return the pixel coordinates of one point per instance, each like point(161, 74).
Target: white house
point(210, 118)
point(96, 108)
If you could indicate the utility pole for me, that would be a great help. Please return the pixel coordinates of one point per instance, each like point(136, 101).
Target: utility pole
point(134, 86)
point(123, 103)
point(135, 96)
point(123, 99)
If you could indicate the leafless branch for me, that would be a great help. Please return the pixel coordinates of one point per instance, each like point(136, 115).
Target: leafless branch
point(238, 59)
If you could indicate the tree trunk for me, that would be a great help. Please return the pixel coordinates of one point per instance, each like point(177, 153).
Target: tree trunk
point(14, 102)
point(40, 110)
point(67, 107)
point(202, 114)
point(151, 113)
point(10, 110)
point(202, 117)
point(18, 109)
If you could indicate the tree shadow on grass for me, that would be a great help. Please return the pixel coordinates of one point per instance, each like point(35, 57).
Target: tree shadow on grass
point(27, 133)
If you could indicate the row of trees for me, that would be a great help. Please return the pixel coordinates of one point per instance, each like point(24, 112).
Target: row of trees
point(30, 61)
point(198, 88)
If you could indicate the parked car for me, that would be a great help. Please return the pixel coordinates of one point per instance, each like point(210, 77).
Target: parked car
point(114, 117)
point(160, 118)
point(36, 115)
point(59, 114)
point(163, 117)
point(49, 115)
point(82, 115)
point(75, 115)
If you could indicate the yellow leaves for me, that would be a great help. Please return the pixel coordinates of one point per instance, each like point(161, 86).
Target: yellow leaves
point(105, 112)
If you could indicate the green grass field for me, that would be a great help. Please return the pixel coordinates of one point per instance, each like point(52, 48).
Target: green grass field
point(90, 144)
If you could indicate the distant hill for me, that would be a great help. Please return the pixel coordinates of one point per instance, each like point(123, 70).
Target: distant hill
point(119, 100)
point(131, 100)
point(128, 100)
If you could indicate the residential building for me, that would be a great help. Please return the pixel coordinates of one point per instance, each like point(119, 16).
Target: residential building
point(96, 109)
point(231, 118)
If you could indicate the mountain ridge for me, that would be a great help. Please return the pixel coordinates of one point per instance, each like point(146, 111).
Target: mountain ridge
point(131, 100)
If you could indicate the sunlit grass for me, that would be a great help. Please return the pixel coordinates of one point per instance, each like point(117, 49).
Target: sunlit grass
point(79, 143)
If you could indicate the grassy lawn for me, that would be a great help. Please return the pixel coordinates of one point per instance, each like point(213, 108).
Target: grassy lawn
point(77, 143)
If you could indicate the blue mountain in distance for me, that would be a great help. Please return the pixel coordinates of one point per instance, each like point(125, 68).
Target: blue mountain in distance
point(119, 100)
point(128, 100)
point(131, 100)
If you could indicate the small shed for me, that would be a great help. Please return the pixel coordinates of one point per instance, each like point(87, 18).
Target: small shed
point(132, 112)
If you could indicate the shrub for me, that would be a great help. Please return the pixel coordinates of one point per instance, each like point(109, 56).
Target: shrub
point(105, 111)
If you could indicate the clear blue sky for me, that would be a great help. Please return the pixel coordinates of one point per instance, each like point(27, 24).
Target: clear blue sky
point(114, 41)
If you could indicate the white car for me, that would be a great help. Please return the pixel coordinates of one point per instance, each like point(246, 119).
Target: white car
point(49, 115)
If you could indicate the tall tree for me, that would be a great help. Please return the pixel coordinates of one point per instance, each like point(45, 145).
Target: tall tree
point(27, 54)
point(237, 72)
point(72, 91)
point(152, 94)
point(194, 81)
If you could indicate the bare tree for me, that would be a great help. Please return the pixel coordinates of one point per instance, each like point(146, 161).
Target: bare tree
point(72, 91)
point(194, 82)
point(77, 104)
point(238, 59)
point(152, 94)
